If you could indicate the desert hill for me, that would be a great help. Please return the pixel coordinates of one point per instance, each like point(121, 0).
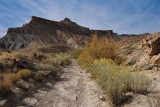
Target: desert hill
point(46, 31)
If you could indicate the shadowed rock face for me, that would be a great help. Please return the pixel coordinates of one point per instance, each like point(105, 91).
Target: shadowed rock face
point(46, 31)
point(15, 41)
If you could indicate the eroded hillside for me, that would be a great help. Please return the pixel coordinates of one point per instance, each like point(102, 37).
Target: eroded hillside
point(46, 31)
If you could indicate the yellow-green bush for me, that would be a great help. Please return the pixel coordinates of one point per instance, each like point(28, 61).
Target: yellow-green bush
point(25, 73)
point(59, 59)
point(38, 76)
point(47, 67)
point(21, 56)
point(75, 53)
point(112, 78)
point(39, 56)
point(117, 80)
point(99, 48)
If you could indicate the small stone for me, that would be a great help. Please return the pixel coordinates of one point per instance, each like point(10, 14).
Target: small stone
point(2, 102)
point(30, 101)
point(102, 97)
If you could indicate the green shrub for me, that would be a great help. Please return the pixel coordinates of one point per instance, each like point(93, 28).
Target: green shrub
point(112, 78)
point(75, 53)
point(47, 67)
point(39, 56)
point(38, 76)
point(51, 67)
point(21, 56)
point(25, 73)
point(117, 80)
point(59, 59)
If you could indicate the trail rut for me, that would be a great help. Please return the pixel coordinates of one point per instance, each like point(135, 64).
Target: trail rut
point(74, 89)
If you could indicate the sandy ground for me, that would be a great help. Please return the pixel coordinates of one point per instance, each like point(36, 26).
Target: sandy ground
point(74, 89)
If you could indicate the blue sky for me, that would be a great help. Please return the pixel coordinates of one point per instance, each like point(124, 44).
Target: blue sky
point(122, 16)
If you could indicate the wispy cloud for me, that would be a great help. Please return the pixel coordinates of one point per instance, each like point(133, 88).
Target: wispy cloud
point(122, 16)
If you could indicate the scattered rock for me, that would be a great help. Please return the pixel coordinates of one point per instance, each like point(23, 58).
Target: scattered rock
point(24, 85)
point(17, 91)
point(44, 73)
point(30, 101)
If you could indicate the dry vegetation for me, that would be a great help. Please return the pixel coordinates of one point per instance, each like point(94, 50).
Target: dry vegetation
point(15, 66)
point(101, 60)
point(99, 48)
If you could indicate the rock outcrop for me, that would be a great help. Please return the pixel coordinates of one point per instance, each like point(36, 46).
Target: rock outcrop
point(155, 59)
point(46, 31)
point(153, 44)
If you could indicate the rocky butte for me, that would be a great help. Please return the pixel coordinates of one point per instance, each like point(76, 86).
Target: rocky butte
point(46, 31)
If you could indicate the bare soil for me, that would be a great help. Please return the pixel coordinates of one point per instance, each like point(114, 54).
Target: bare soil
point(74, 89)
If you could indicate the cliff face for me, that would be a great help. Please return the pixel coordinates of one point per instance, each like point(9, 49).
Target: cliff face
point(45, 31)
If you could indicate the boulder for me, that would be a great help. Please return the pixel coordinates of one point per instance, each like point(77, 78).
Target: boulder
point(153, 44)
point(155, 59)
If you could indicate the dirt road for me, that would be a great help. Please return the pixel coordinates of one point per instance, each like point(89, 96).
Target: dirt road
point(74, 89)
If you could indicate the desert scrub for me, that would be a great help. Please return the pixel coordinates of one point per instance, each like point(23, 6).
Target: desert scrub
point(24, 73)
point(7, 82)
point(112, 78)
point(39, 56)
point(139, 83)
point(59, 59)
point(117, 80)
point(38, 77)
point(99, 48)
point(12, 77)
point(21, 56)
point(55, 49)
point(47, 67)
point(75, 53)
point(5, 88)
